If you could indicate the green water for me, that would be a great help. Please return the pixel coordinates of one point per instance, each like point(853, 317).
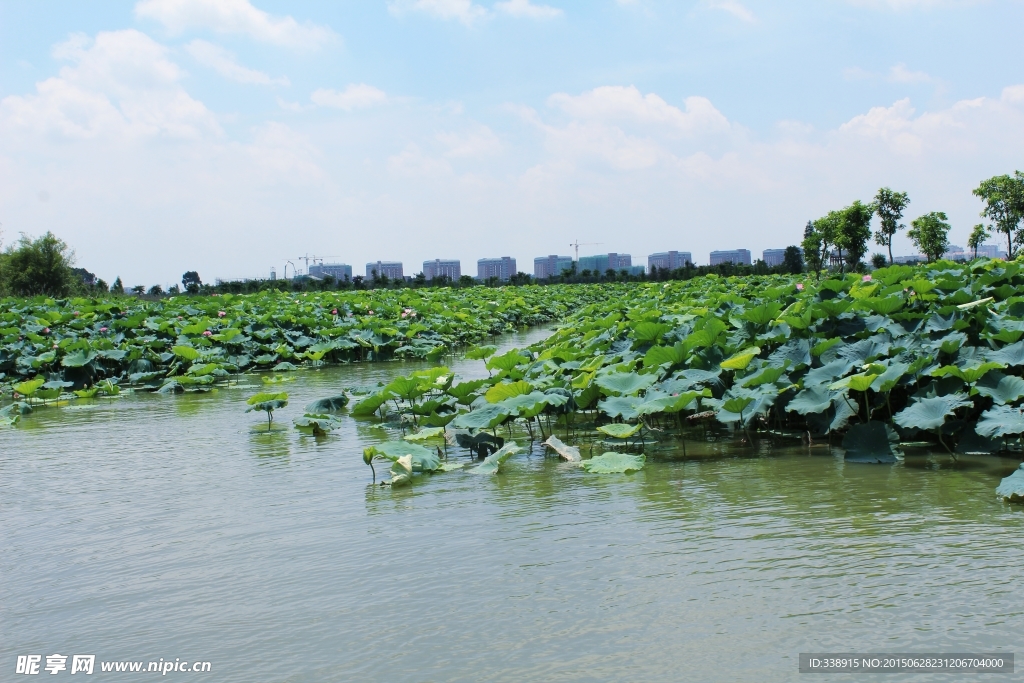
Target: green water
point(175, 527)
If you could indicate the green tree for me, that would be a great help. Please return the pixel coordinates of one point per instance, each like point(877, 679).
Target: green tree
point(889, 207)
point(156, 290)
point(191, 282)
point(878, 261)
point(854, 232)
point(40, 266)
point(978, 236)
point(814, 249)
point(117, 287)
point(930, 233)
point(793, 260)
point(1004, 205)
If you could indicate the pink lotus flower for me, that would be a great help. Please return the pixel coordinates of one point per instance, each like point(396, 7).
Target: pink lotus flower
point(799, 286)
point(56, 346)
point(207, 333)
point(76, 313)
point(403, 314)
point(334, 311)
point(221, 314)
point(103, 329)
point(866, 278)
point(46, 330)
point(369, 313)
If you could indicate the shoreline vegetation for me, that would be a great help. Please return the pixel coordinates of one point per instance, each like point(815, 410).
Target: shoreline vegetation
point(907, 354)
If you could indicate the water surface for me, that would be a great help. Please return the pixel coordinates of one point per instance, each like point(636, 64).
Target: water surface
point(173, 526)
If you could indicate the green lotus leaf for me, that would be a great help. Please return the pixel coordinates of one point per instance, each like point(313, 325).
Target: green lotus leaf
point(1011, 356)
point(619, 406)
point(185, 352)
point(859, 382)
point(492, 463)
point(624, 383)
point(649, 331)
point(667, 404)
point(422, 459)
point(87, 393)
point(327, 405)
point(1011, 488)
point(317, 423)
point(481, 352)
point(1000, 388)
point(619, 430)
point(425, 434)
point(741, 360)
point(77, 359)
point(886, 381)
point(284, 366)
point(886, 305)
point(766, 376)
point(970, 374)
point(873, 441)
point(29, 387)
point(369, 404)
point(614, 463)
point(737, 404)
point(930, 413)
point(504, 390)
point(485, 417)
point(660, 355)
point(763, 313)
point(1000, 421)
point(437, 420)
point(507, 361)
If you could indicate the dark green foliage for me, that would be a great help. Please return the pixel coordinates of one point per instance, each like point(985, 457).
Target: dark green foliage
point(40, 266)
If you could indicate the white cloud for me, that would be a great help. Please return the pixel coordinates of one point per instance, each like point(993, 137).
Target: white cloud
point(355, 96)
point(121, 83)
point(525, 9)
point(619, 103)
point(223, 62)
point(476, 142)
point(233, 16)
point(901, 74)
point(465, 11)
point(413, 162)
point(734, 8)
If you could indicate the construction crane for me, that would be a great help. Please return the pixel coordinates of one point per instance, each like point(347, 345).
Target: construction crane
point(577, 244)
point(314, 258)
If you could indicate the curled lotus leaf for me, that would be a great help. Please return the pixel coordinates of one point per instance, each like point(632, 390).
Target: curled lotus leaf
point(930, 413)
point(741, 360)
point(493, 463)
point(619, 430)
point(570, 453)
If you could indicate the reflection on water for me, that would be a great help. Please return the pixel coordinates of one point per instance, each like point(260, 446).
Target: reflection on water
point(179, 526)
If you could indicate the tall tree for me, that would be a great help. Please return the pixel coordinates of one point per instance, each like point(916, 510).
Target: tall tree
point(1004, 205)
point(793, 260)
point(191, 282)
point(930, 233)
point(889, 206)
point(40, 266)
point(812, 247)
point(854, 232)
point(977, 238)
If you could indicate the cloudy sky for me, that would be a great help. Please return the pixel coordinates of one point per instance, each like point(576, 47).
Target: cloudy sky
point(229, 136)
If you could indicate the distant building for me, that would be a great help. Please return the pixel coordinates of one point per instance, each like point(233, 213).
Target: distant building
point(550, 266)
point(502, 268)
point(339, 271)
point(273, 274)
point(773, 257)
point(668, 260)
point(990, 250)
point(604, 262)
point(738, 256)
point(390, 269)
point(450, 268)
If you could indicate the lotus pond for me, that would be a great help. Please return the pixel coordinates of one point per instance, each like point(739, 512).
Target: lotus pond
point(686, 480)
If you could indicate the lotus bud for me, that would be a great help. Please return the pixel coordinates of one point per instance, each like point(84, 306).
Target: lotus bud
point(103, 329)
point(799, 286)
point(866, 278)
point(334, 311)
point(221, 314)
point(207, 333)
point(46, 330)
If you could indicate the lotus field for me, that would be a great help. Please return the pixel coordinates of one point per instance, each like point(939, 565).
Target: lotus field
point(905, 358)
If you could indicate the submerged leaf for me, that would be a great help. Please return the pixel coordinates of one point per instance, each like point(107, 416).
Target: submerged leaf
point(619, 430)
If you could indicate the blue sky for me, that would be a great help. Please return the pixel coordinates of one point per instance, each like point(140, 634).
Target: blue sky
point(168, 135)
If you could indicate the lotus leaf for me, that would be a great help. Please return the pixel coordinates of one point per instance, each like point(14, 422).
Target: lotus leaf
point(619, 430)
point(486, 417)
point(614, 463)
point(1000, 421)
point(1011, 488)
point(570, 453)
point(328, 405)
point(504, 390)
point(930, 413)
point(492, 463)
point(870, 442)
point(741, 360)
point(624, 384)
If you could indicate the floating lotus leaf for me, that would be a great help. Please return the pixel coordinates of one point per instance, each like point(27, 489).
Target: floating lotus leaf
point(619, 430)
point(614, 463)
point(486, 417)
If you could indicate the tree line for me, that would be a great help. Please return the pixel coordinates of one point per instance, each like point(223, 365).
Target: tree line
point(839, 239)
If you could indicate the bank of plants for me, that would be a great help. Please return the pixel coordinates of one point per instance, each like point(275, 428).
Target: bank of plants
point(191, 343)
point(926, 357)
